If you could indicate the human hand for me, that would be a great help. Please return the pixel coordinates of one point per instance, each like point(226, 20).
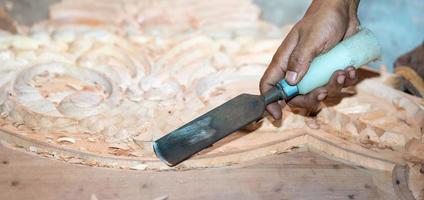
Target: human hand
point(325, 24)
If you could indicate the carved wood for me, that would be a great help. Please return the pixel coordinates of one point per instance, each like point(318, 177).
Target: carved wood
point(87, 89)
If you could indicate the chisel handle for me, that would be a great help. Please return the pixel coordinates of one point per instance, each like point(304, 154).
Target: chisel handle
point(355, 51)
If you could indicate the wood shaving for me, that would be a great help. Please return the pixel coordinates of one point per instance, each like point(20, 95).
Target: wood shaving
point(138, 166)
point(33, 149)
point(164, 197)
point(312, 123)
point(119, 146)
point(75, 160)
point(93, 197)
point(66, 140)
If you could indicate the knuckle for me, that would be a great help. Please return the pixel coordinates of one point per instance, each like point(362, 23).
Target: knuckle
point(263, 86)
point(276, 58)
point(296, 102)
point(340, 72)
point(311, 109)
point(297, 61)
point(351, 67)
point(331, 88)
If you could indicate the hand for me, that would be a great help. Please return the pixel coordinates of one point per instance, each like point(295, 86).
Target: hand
point(325, 24)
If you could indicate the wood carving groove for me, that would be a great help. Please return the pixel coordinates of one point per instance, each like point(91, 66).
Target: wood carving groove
point(99, 81)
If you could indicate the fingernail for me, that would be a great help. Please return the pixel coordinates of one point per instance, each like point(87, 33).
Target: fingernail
point(321, 96)
point(291, 76)
point(341, 79)
point(352, 74)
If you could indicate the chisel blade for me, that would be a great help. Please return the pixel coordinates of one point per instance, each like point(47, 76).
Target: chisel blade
point(209, 128)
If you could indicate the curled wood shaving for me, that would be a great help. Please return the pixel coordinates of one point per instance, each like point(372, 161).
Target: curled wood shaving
point(66, 140)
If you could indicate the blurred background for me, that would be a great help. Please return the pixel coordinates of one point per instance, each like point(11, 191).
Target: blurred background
point(398, 24)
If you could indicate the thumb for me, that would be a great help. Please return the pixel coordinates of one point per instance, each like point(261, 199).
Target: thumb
point(300, 59)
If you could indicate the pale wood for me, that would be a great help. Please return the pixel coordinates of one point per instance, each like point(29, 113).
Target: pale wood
point(375, 127)
point(342, 132)
point(296, 175)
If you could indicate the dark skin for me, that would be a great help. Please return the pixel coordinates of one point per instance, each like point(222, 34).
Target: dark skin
point(325, 24)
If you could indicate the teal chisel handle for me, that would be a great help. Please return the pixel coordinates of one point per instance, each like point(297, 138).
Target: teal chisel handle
point(355, 51)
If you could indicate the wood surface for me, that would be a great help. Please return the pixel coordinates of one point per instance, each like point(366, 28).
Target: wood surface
point(376, 131)
point(296, 175)
point(380, 133)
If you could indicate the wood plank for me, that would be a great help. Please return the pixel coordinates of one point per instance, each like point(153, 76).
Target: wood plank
point(296, 175)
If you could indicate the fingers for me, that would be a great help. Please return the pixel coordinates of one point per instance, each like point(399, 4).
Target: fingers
point(354, 27)
point(352, 76)
point(275, 110)
point(336, 83)
point(311, 101)
point(307, 48)
point(276, 71)
point(333, 89)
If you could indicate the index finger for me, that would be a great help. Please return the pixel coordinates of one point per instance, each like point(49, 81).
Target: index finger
point(276, 69)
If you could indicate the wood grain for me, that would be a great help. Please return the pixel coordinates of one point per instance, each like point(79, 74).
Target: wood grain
point(297, 175)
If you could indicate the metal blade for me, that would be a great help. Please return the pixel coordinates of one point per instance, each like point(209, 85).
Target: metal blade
point(207, 129)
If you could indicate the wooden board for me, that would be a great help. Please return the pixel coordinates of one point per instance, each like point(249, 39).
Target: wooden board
point(296, 175)
point(87, 94)
point(342, 132)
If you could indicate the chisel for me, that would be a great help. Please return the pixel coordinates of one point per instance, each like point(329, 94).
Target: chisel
point(244, 109)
